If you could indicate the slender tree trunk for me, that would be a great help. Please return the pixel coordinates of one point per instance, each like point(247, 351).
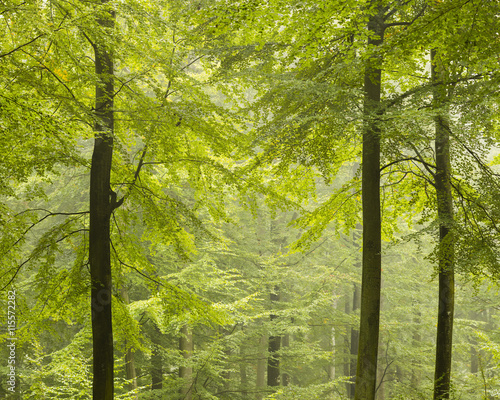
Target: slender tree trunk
point(243, 372)
point(186, 372)
point(226, 375)
point(380, 392)
point(347, 344)
point(332, 370)
point(130, 370)
point(415, 373)
point(261, 366)
point(474, 354)
point(100, 212)
point(354, 339)
point(273, 361)
point(366, 372)
point(442, 375)
point(285, 342)
point(156, 360)
point(356, 300)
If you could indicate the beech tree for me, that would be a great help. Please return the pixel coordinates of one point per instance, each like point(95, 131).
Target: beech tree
point(102, 204)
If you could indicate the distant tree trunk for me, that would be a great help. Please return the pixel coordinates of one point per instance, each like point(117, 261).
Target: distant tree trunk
point(366, 372)
point(156, 369)
point(100, 212)
point(347, 360)
point(243, 373)
point(273, 361)
point(332, 368)
point(186, 372)
point(356, 300)
point(156, 360)
point(380, 391)
point(226, 375)
point(285, 342)
point(130, 370)
point(475, 354)
point(446, 254)
point(415, 373)
point(261, 366)
point(474, 359)
point(129, 355)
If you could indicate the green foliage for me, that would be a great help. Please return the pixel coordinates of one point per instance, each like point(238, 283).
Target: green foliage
point(229, 117)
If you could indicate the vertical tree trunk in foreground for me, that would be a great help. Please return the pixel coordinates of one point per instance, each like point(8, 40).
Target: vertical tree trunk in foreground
point(100, 211)
point(446, 255)
point(366, 371)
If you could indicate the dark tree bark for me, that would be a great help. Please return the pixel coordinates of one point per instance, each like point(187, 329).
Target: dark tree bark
point(100, 212)
point(273, 361)
point(446, 255)
point(366, 371)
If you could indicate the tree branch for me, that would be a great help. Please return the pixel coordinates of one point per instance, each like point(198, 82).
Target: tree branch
point(21, 46)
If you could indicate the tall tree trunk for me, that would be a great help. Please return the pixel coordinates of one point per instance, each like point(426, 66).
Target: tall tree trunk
point(273, 361)
point(446, 255)
point(366, 371)
point(100, 212)
point(186, 371)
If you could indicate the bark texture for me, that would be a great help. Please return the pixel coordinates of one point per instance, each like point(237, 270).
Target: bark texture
point(366, 371)
point(442, 374)
point(100, 212)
